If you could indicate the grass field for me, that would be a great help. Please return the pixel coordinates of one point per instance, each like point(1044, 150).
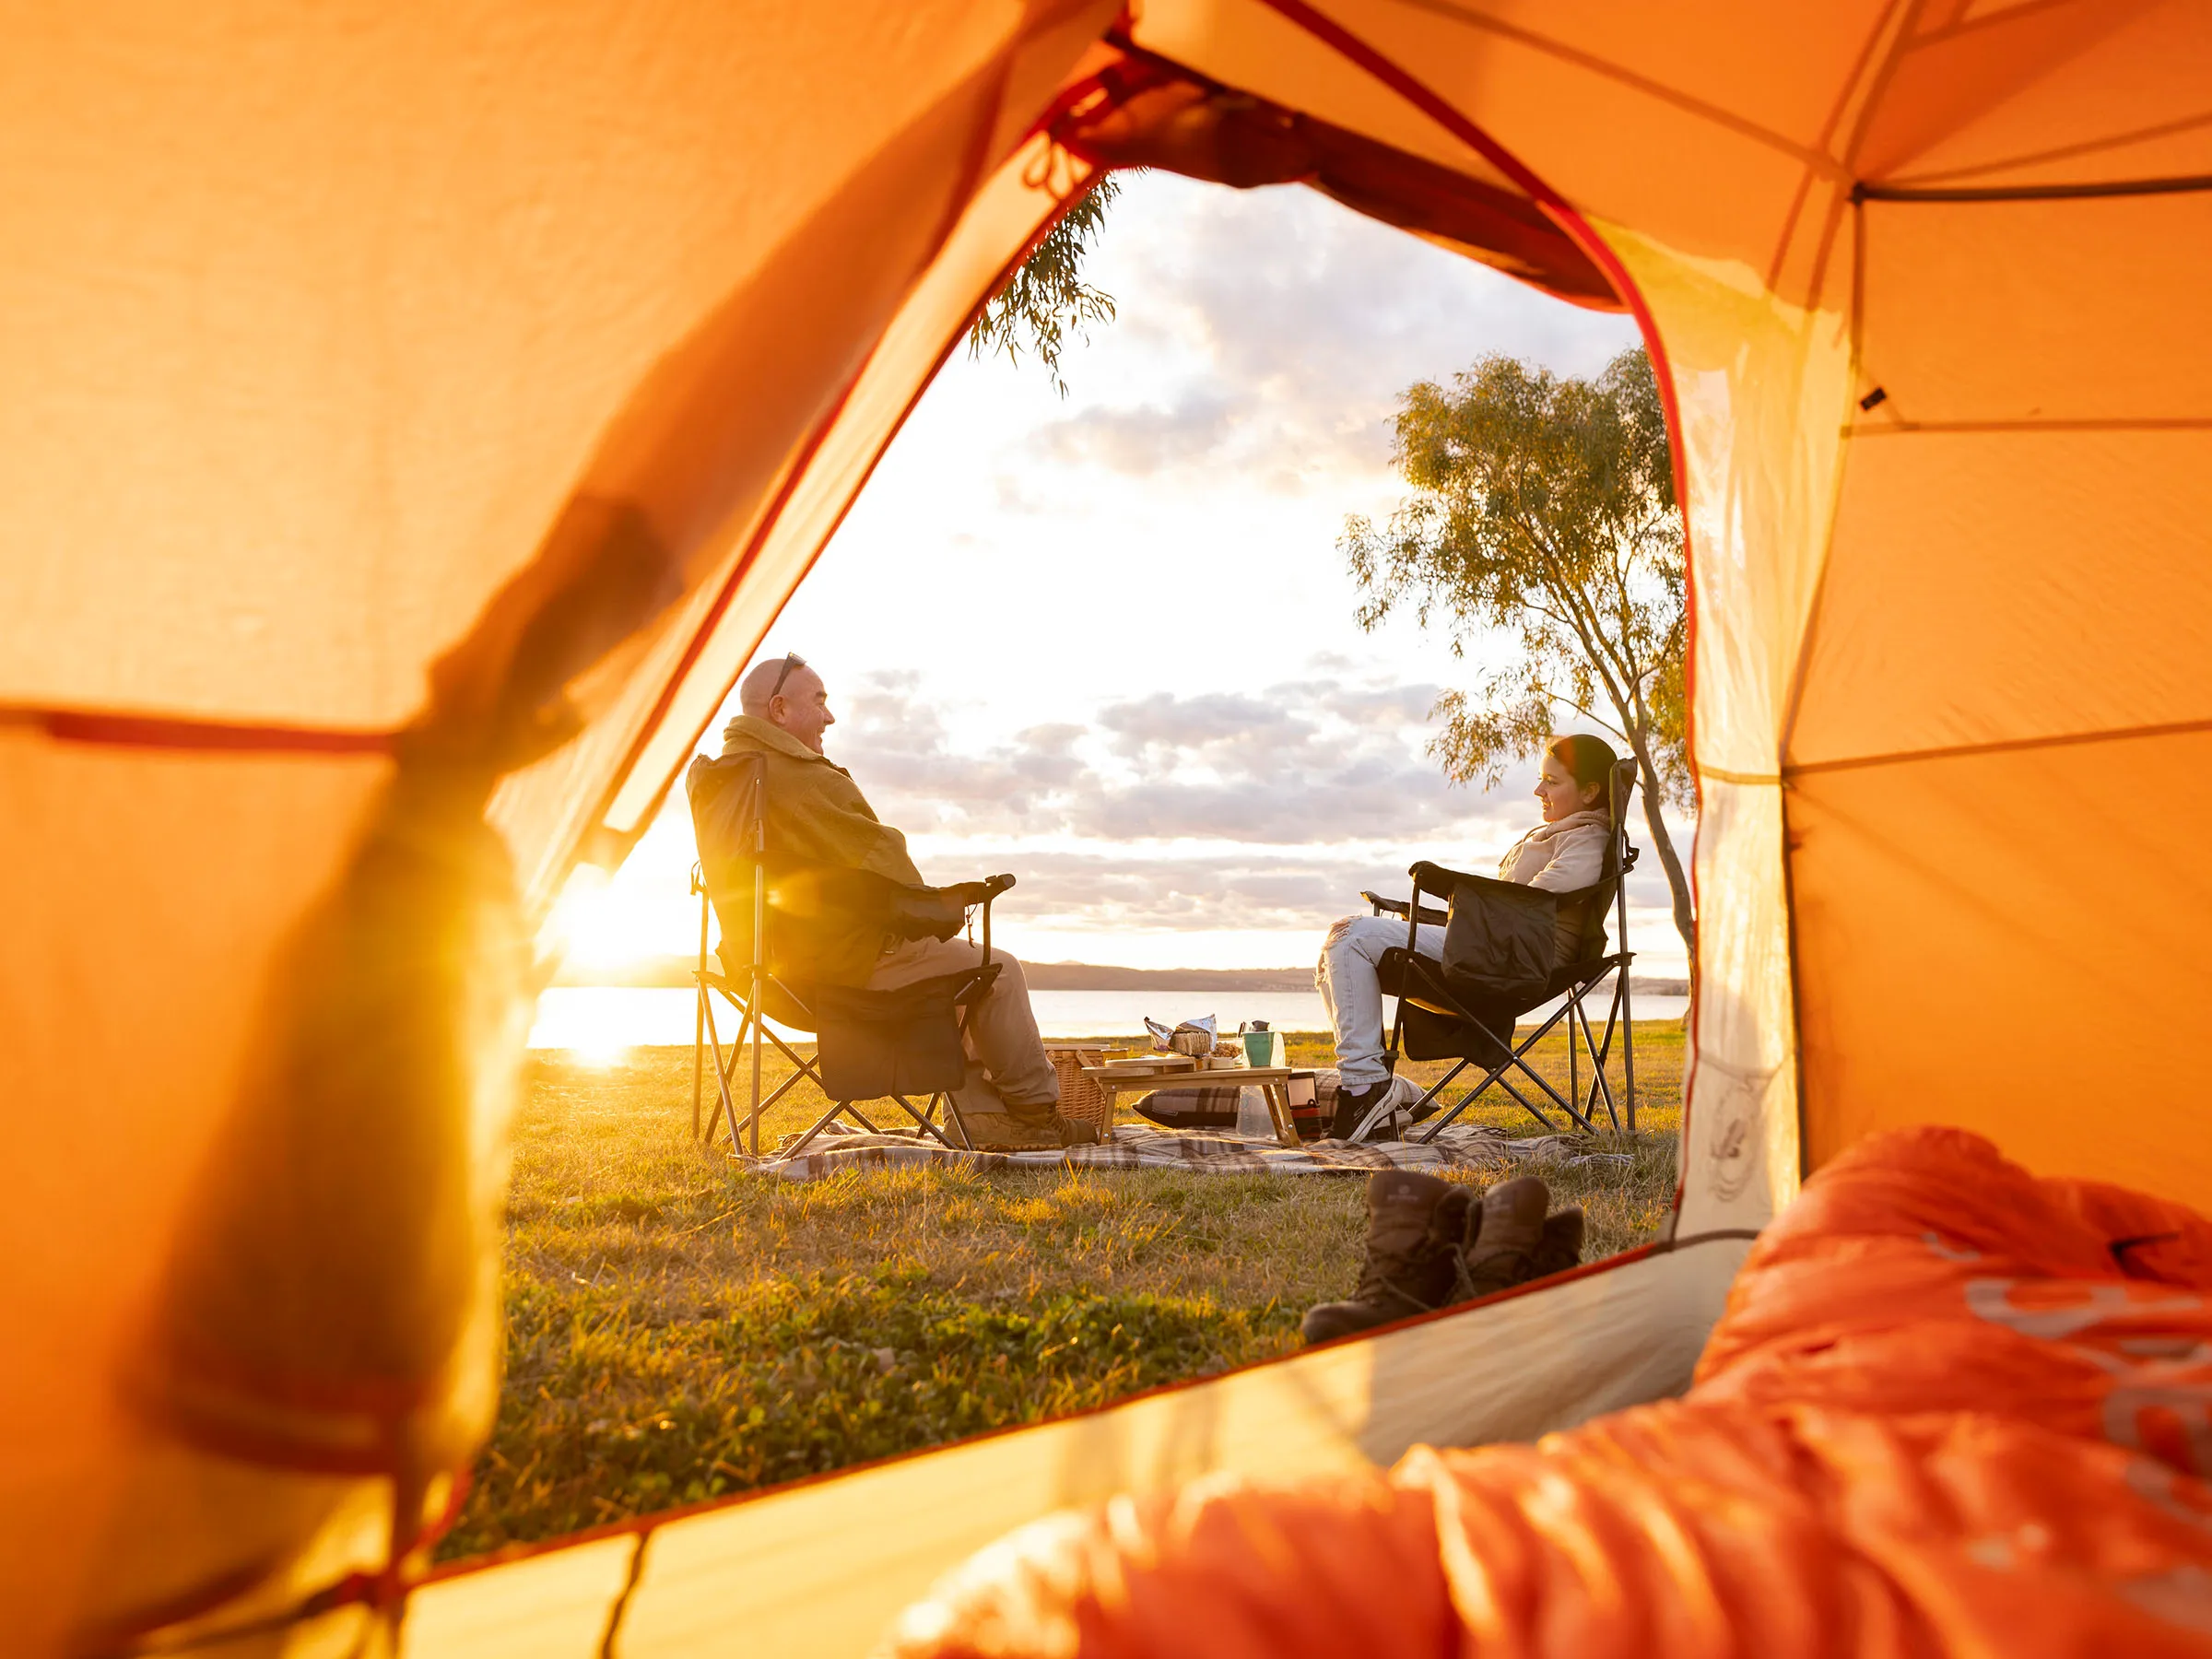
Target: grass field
point(678, 1331)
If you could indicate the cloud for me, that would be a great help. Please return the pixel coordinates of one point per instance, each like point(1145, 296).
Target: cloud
point(1295, 892)
point(895, 741)
point(1164, 721)
point(1286, 326)
point(1196, 894)
point(1151, 438)
point(1304, 762)
point(1310, 787)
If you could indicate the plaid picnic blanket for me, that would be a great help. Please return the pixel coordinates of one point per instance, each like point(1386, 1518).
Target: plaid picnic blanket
point(1199, 1152)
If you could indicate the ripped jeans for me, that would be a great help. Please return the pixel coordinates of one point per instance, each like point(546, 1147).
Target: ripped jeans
point(1346, 979)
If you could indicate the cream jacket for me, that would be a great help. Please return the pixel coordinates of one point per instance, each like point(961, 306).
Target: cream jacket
point(1560, 857)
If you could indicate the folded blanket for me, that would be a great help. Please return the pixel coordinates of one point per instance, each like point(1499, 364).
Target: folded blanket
point(1951, 1409)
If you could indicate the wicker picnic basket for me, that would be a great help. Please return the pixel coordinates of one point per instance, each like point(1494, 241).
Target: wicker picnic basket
point(1079, 1097)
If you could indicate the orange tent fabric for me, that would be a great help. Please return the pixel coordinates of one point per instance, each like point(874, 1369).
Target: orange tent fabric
point(1951, 1409)
point(410, 422)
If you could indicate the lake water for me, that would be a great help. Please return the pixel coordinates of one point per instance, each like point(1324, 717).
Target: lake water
point(605, 1019)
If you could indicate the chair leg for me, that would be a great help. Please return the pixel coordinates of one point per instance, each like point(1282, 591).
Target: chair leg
point(1465, 1100)
point(1521, 1064)
point(1600, 1087)
point(1574, 1077)
point(1627, 1047)
point(1527, 1105)
point(760, 1027)
point(747, 1023)
point(1375, 1112)
point(1516, 1061)
point(723, 1103)
point(1604, 1052)
point(821, 1123)
point(803, 1071)
point(705, 1025)
point(922, 1119)
point(780, 1090)
point(954, 1122)
point(1545, 1084)
point(760, 1103)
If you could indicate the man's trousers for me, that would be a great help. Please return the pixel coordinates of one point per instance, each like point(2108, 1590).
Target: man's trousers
point(1002, 1031)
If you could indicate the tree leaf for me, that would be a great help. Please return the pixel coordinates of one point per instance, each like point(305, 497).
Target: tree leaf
point(1046, 298)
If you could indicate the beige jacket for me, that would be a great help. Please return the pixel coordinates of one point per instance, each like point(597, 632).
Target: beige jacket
point(1562, 858)
point(818, 824)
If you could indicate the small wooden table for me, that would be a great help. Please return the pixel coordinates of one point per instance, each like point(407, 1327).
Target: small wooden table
point(1113, 1081)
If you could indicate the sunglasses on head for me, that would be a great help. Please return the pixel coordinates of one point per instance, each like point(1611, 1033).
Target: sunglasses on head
point(791, 659)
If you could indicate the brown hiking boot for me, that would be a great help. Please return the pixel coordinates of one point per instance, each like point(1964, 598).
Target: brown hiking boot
point(1417, 1227)
point(1510, 1229)
point(1561, 1245)
point(1029, 1130)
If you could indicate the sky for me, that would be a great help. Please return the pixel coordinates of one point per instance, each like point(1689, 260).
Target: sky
point(1109, 643)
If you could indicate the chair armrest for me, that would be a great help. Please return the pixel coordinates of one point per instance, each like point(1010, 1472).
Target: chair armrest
point(969, 894)
point(1435, 879)
point(939, 912)
point(1431, 916)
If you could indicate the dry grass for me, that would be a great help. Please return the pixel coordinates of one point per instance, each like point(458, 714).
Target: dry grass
point(678, 1331)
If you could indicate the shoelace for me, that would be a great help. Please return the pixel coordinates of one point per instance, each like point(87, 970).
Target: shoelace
point(1372, 1277)
point(1463, 1281)
point(1381, 1281)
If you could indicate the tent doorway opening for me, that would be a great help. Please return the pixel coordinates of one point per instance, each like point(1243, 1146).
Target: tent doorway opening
point(1108, 638)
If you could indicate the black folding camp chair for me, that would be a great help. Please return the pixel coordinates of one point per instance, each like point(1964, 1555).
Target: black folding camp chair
point(1497, 965)
point(895, 1046)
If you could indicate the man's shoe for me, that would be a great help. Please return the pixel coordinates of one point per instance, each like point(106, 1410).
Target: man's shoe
point(1353, 1104)
point(1076, 1132)
point(1030, 1132)
point(1560, 1247)
point(1417, 1229)
point(1504, 1250)
point(1047, 1118)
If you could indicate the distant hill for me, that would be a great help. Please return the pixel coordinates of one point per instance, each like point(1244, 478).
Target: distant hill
point(1085, 976)
point(1051, 976)
point(1043, 976)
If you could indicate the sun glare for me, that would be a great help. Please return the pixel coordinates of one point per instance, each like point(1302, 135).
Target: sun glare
point(600, 1051)
point(592, 925)
point(592, 1028)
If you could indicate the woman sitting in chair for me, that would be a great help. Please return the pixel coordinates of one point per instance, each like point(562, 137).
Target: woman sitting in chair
point(1567, 851)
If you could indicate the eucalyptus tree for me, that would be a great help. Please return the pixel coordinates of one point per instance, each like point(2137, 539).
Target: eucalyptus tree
point(1045, 297)
point(1543, 517)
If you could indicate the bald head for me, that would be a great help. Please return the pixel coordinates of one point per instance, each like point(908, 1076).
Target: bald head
point(788, 694)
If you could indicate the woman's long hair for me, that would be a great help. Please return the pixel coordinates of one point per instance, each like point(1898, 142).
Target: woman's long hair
point(1588, 760)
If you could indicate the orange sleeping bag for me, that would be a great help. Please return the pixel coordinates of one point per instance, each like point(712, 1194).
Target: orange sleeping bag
point(1951, 1409)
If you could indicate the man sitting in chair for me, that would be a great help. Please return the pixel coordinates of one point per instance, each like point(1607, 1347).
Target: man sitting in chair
point(1566, 852)
point(830, 859)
